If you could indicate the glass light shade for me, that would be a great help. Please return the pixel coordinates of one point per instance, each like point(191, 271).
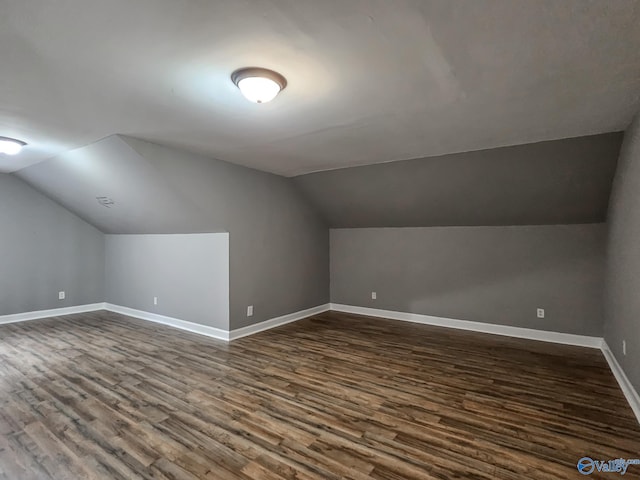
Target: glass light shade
point(10, 147)
point(259, 89)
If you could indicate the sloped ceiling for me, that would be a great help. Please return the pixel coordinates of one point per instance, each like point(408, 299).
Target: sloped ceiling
point(144, 201)
point(160, 190)
point(369, 81)
point(556, 182)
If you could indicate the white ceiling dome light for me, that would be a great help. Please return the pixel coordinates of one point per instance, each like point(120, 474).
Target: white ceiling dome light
point(10, 146)
point(259, 85)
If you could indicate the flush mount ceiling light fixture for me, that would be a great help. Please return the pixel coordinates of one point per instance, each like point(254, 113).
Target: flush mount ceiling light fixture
point(10, 146)
point(258, 85)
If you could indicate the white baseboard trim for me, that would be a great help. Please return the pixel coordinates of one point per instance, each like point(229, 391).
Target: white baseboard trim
point(627, 388)
point(213, 332)
point(54, 312)
point(276, 322)
point(505, 330)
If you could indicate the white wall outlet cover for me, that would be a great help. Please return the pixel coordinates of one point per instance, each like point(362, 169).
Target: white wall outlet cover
point(374, 295)
point(61, 295)
point(624, 347)
point(540, 312)
point(250, 311)
point(155, 300)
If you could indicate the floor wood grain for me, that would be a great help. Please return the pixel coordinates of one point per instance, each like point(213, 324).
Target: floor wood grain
point(103, 396)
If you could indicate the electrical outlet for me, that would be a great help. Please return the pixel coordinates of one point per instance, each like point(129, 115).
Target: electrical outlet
point(374, 295)
point(540, 312)
point(61, 295)
point(155, 300)
point(624, 347)
point(250, 311)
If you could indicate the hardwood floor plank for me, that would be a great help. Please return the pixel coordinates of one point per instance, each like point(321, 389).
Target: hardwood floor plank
point(336, 396)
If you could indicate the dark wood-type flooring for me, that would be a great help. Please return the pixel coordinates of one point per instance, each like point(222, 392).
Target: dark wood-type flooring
point(100, 395)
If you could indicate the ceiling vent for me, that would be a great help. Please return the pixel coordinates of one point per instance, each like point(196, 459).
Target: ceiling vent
point(105, 201)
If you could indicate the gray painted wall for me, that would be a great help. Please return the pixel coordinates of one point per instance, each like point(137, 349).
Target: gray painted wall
point(279, 245)
point(622, 298)
point(189, 275)
point(45, 249)
point(558, 182)
point(487, 274)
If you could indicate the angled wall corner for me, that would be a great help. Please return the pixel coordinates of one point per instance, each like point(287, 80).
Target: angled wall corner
point(622, 280)
point(279, 246)
point(183, 276)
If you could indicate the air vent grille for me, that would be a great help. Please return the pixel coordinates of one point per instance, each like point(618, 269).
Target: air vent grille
point(105, 201)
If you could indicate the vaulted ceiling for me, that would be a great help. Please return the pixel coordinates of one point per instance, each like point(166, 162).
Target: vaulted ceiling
point(369, 81)
point(156, 189)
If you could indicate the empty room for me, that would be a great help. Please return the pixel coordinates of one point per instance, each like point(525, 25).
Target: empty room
point(319, 239)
